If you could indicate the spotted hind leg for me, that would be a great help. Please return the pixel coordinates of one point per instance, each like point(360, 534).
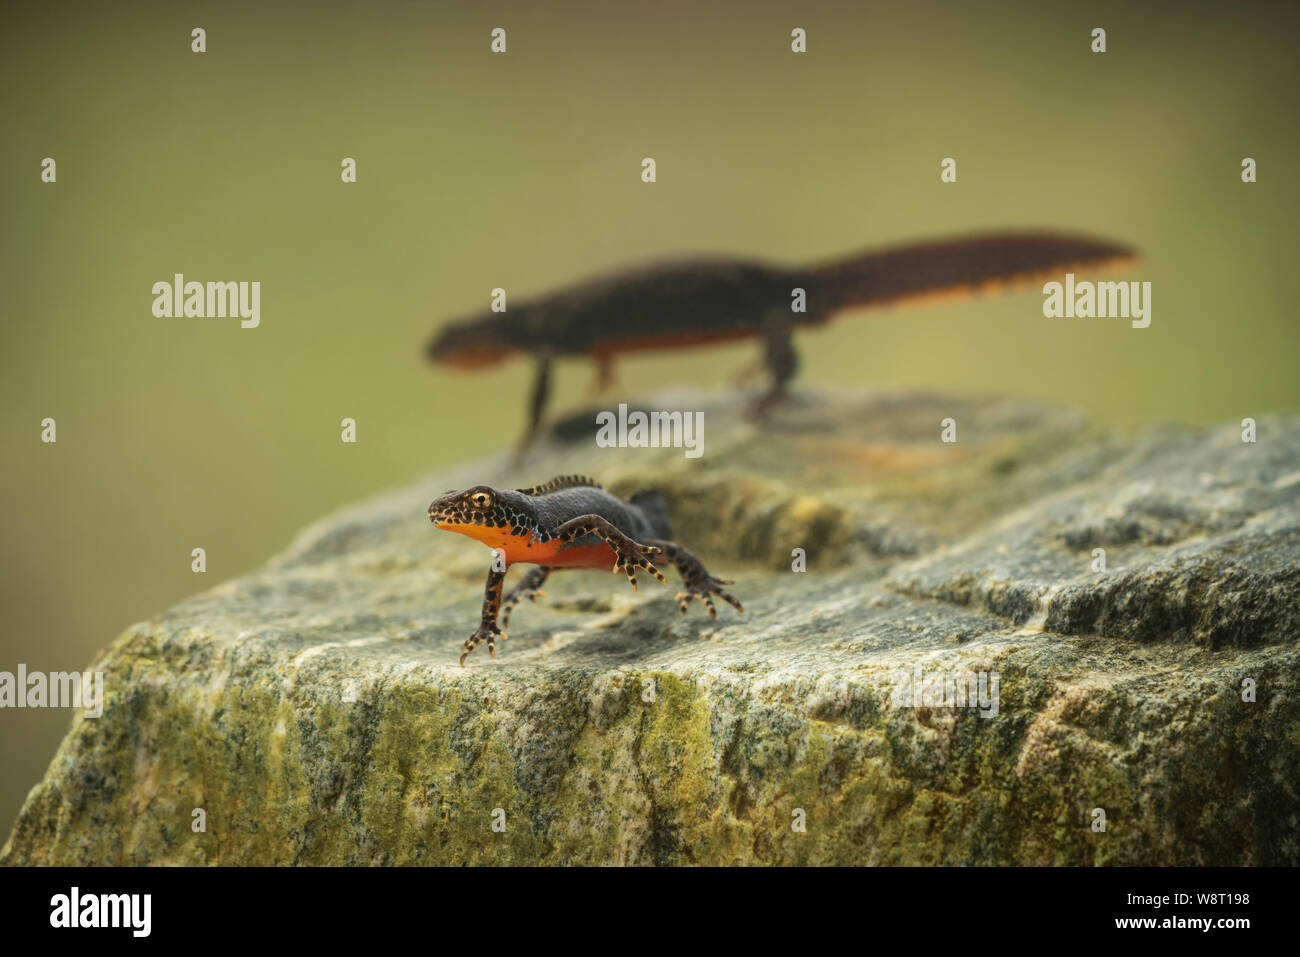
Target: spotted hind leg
point(699, 583)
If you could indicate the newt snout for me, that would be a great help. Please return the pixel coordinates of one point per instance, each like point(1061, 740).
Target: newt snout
point(444, 508)
point(473, 343)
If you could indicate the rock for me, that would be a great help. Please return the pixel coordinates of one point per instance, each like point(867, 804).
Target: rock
point(315, 711)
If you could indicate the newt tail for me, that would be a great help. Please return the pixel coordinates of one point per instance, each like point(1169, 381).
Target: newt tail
point(568, 522)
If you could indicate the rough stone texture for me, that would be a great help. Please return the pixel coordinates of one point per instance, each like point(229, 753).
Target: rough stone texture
point(316, 712)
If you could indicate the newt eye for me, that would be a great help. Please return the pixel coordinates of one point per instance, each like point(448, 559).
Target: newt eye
point(481, 499)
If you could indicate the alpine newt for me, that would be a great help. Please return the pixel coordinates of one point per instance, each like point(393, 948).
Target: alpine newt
point(568, 522)
point(715, 299)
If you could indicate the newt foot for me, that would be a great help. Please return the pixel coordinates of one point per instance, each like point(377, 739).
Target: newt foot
point(629, 556)
point(486, 632)
point(704, 588)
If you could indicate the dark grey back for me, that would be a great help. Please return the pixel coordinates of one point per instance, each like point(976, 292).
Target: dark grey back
point(553, 509)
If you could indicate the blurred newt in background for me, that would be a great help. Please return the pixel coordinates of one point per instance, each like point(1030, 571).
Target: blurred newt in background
point(702, 300)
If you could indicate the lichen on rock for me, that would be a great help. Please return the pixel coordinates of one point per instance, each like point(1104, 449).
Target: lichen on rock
point(314, 709)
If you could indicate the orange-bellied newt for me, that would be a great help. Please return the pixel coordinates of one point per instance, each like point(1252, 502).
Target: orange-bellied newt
point(568, 522)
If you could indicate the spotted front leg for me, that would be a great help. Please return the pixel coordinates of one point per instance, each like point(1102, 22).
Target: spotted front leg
point(487, 628)
point(699, 583)
point(628, 555)
point(530, 587)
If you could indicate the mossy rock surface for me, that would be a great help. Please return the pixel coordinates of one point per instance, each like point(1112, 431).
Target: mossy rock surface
point(315, 711)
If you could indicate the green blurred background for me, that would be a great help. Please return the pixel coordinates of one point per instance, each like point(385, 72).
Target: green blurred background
point(522, 171)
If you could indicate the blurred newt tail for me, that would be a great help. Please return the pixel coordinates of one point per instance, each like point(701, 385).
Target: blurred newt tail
point(955, 267)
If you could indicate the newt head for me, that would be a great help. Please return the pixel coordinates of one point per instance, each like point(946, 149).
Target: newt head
point(480, 340)
point(495, 518)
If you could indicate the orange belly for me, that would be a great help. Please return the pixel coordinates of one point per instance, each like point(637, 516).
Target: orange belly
point(527, 550)
point(599, 556)
point(675, 339)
